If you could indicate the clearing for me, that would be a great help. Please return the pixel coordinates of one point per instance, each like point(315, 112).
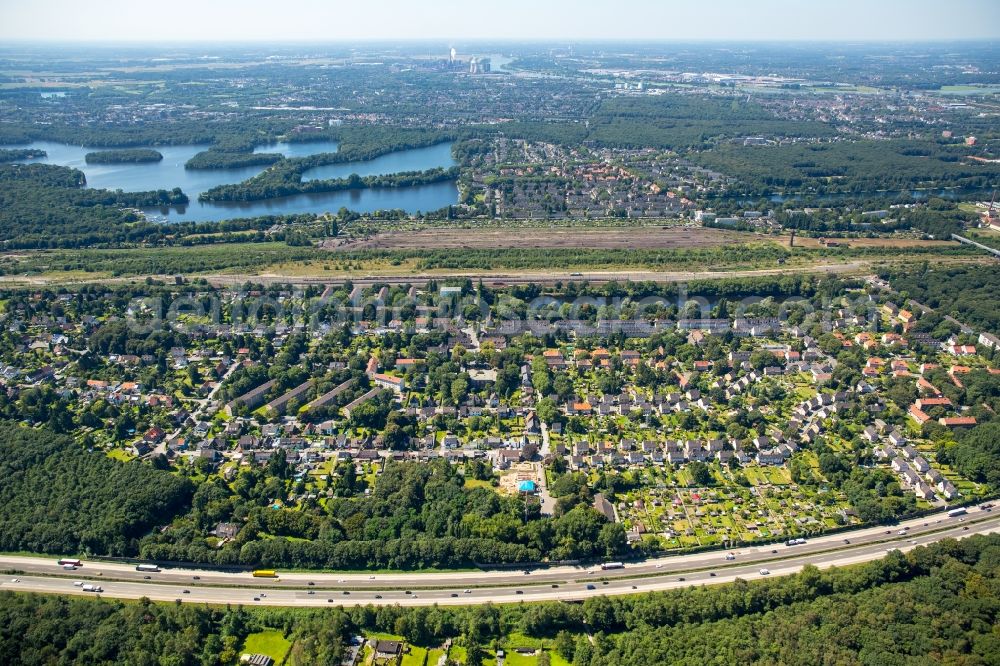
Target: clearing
point(647, 238)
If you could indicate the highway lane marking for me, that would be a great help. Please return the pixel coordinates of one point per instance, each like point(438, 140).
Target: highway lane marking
point(281, 597)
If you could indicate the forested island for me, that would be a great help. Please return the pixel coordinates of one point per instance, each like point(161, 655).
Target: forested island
point(19, 154)
point(231, 159)
point(124, 156)
point(270, 185)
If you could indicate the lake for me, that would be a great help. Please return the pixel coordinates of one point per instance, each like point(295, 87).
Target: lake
point(170, 173)
point(417, 159)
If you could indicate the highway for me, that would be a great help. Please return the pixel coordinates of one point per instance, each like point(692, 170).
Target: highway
point(565, 583)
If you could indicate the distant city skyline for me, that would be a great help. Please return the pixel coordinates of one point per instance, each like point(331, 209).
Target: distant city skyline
point(317, 20)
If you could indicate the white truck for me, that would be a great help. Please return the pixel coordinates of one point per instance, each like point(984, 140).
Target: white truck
point(92, 588)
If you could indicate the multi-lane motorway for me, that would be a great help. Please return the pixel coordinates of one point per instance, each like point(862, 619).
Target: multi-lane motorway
point(474, 587)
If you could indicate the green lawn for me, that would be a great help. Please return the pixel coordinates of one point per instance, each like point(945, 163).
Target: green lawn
point(271, 642)
point(120, 454)
point(415, 657)
point(556, 659)
point(514, 659)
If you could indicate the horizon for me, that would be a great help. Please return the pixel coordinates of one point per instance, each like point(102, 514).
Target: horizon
point(488, 40)
point(254, 21)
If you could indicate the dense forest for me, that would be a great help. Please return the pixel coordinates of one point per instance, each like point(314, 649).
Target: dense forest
point(49, 206)
point(417, 515)
point(977, 454)
point(58, 498)
point(969, 293)
point(251, 129)
point(936, 604)
point(124, 156)
point(231, 159)
point(673, 122)
point(279, 182)
point(939, 218)
point(847, 166)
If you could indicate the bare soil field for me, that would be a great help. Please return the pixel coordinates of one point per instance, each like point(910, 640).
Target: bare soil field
point(647, 238)
point(814, 243)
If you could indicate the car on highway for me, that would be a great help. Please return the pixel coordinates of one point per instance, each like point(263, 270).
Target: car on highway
point(256, 598)
point(15, 580)
point(147, 577)
point(765, 572)
point(467, 592)
point(78, 583)
point(555, 585)
point(847, 541)
point(634, 587)
point(195, 577)
point(902, 532)
point(378, 596)
point(454, 594)
point(518, 591)
point(407, 592)
point(310, 583)
point(311, 592)
point(345, 592)
point(187, 591)
point(711, 574)
point(681, 579)
point(730, 556)
point(371, 577)
point(591, 587)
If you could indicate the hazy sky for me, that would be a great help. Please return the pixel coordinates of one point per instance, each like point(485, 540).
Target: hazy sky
point(339, 20)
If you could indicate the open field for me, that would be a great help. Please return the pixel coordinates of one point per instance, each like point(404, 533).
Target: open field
point(543, 255)
point(886, 242)
point(271, 642)
point(649, 238)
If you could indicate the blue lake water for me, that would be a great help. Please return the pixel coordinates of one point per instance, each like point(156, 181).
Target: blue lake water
point(417, 159)
point(170, 173)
